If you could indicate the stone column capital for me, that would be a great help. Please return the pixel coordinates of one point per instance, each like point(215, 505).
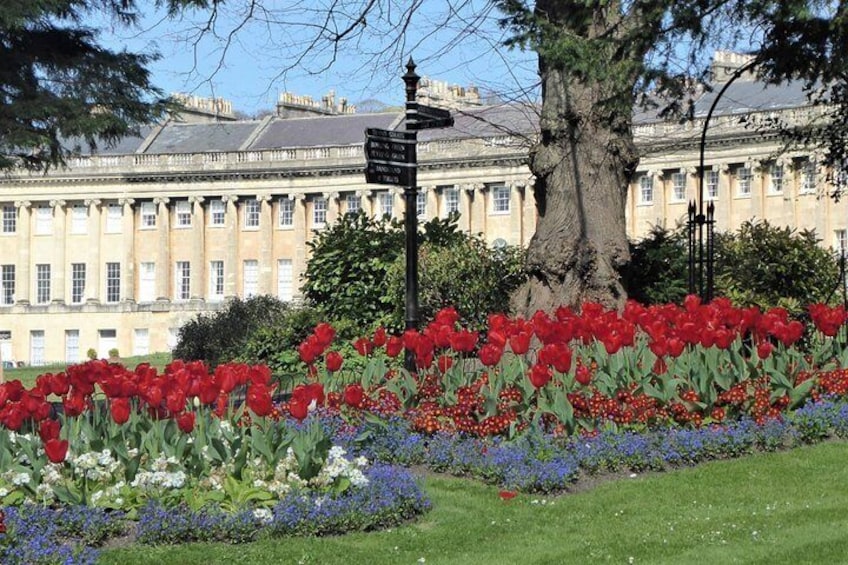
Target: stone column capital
point(161, 200)
point(689, 170)
point(331, 195)
point(263, 197)
point(230, 198)
point(23, 204)
point(93, 202)
point(126, 201)
point(297, 196)
point(57, 203)
point(196, 199)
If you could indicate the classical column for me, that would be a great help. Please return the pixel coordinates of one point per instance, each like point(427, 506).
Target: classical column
point(478, 212)
point(92, 265)
point(198, 243)
point(128, 268)
point(724, 200)
point(515, 191)
point(300, 237)
point(466, 195)
point(163, 250)
point(333, 211)
point(266, 244)
point(528, 211)
point(57, 270)
point(398, 203)
point(758, 188)
point(231, 266)
point(22, 269)
point(432, 201)
point(365, 201)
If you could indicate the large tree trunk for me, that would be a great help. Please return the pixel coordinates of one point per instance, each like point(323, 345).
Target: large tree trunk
point(582, 165)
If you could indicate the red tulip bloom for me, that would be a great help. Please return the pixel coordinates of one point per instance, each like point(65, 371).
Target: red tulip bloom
point(324, 333)
point(353, 395)
point(394, 346)
point(520, 343)
point(259, 400)
point(49, 429)
point(176, 401)
point(463, 341)
point(363, 346)
point(507, 494)
point(298, 408)
point(764, 349)
point(583, 375)
point(540, 375)
point(56, 450)
point(73, 404)
point(490, 354)
point(445, 362)
point(380, 337)
point(333, 360)
point(185, 422)
point(120, 408)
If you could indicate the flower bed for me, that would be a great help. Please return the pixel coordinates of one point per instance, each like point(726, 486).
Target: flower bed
point(527, 404)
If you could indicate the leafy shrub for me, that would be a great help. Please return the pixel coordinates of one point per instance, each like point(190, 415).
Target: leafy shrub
point(658, 268)
point(760, 265)
point(356, 272)
point(466, 274)
point(221, 336)
point(769, 266)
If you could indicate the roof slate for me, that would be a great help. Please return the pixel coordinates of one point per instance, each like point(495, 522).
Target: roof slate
point(320, 131)
point(202, 137)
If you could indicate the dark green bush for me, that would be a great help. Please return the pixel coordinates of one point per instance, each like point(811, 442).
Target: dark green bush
point(221, 336)
point(356, 272)
point(760, 265)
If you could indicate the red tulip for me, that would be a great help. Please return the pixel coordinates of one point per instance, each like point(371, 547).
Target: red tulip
point(298, 408)
point(353, 395)
point(176, 401)
point(520, 343)
point(333, 360)
point(540, 375)
point(445, 362)
point(73, 404)
point(363, 346)
point(764, 349)
point(583, 375)
point(120, 410)
point(490, 354)
point(49, 429)
point(259, 400)
point(56, 450)
point(379, 337)
point(324, 333)
point(394, 346)
point(185, 422)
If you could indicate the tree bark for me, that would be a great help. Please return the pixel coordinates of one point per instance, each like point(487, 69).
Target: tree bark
point(582, 163)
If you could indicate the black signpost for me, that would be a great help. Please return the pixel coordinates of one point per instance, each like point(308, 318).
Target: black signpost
point(390, 158)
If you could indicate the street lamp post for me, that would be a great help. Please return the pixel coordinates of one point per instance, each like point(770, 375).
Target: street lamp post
point(410, 195)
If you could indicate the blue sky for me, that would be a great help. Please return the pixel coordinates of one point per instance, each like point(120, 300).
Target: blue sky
point(249, 73)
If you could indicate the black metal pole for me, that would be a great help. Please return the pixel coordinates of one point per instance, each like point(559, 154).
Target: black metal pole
point(410, 194)
point(705, 290)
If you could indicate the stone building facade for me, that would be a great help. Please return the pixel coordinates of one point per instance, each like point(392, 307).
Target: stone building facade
point(122, 246)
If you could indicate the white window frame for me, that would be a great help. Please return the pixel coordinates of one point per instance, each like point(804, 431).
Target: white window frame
point(72, 352)
point(114, 218)
point(216, 280)
point(141, 341)
point(285, 213)
point(250, 278)
point(79, 219)
point(217, 212)
point(77, 283)
point(113, 282)
point(840, 240)
point(646, 190)
point(353, 204)
point(146, 281)
point(678, 186)
point(43, 220)
point(711, 180)
point(10, 219)
point(450, 198)
point(251, 214)
point(36, 348)
point(777, 178)
point(744, 179)
point(182, 214)
point(7, 285)
point(182, 281)
point(285, 280)
point(500, 199)
point(421, 204)
point(319, 212)
point(385, 204)
point(809, 176)
point(148, 215)
point(42, 283)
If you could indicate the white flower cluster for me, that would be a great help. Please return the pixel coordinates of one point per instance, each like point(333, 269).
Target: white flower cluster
point(164, 473)
point(95, 466)
point(336, 466)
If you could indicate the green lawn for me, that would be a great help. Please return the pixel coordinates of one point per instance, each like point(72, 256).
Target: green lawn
point(27, 375)
point(789, 507)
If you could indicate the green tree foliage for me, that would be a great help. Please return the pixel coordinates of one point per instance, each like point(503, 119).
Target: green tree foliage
point(356, 272)
point(466, 274)
point(60, 91)
point(221, 336)
point(759, 264)
point(658, 268)
point(767, 266)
